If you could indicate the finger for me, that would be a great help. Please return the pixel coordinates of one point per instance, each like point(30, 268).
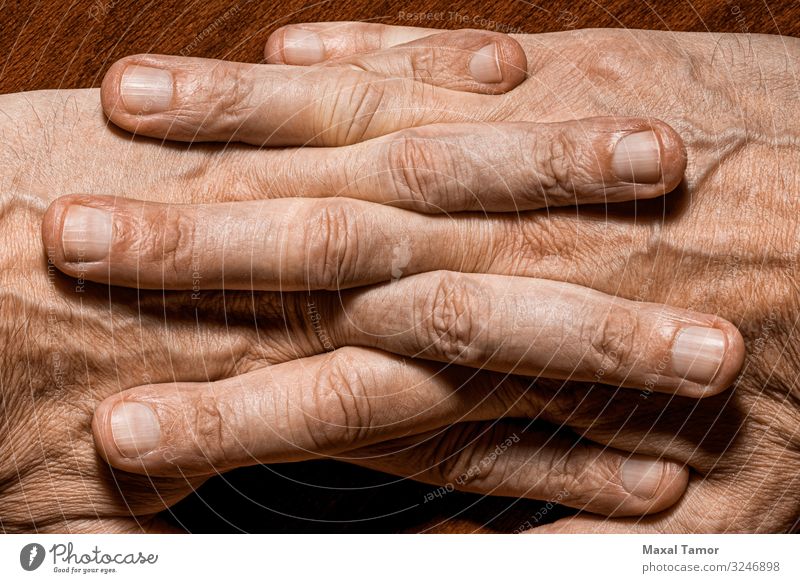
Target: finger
point(647, 424)
point(503, 166)
point(539, 327)
point(466, 60)
point(311, 407)
point(709, 506)
point(178, 336)
point(199, 100)
point(469, 60)
point(285, 244)
point(510, 458)
point(314, 42)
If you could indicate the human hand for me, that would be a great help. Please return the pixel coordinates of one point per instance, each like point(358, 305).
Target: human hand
point(738, 120)
point(71, 344)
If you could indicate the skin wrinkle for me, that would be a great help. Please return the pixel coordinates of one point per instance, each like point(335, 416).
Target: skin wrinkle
point(677, 248)
point(584, 254)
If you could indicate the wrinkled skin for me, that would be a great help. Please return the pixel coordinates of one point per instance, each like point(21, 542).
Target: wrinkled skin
point(66, 346)
point(740, 443)
point(725, 243)
point(70, 344)
point(728, 245)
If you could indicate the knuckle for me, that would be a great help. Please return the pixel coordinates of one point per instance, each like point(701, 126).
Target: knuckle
point(211, 433)
point(352, 119)
point(167, 239)
point(556, 165)
point(609, 57)
point(466, 458)
point(227, 100)
point(421, 170)
point(368, 37)
point(452, 309)
point(582, 479)
point(611, 342)
point(338, 415)
point(423, 65)
point(332, 243)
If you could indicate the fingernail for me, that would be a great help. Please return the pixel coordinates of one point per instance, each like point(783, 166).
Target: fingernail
point(697, 353)
point(135, 429)
point(484, 66)
point(641, 477)
point(146, 90)
point(86, 234)
point(302, 47)
point(637, 158)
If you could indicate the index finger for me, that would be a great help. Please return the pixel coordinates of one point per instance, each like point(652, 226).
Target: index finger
point(191, 99)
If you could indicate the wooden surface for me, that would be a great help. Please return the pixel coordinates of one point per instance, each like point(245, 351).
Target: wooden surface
point(48, 44)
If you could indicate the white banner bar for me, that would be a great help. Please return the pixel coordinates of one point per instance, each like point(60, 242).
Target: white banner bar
point(401, 558)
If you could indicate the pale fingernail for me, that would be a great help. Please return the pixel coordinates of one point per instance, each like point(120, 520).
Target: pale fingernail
point(146, 90)
point(697, 353)
point(637, 158)
point(86, 234)
point(302, 47)
point(641, 477)
point(135, 429)
point(484, 66)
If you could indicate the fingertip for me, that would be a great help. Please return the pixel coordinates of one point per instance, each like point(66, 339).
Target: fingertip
point(673, 155)
point(648, 485)
point(273, 49)
point(295, 45)
point(51, 228)
point(101, 431)
point(647, 157)
point(709, 357)
point(77, 233)
point(732, 362)
point(109, 88)
point(111, 98)
point(672, 481)
point(127, 431)
point(513, 61)
point(137, 88)
point(497, 63)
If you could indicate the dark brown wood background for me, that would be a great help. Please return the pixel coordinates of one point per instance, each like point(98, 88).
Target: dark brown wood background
point(46, 44)
point(50, 44)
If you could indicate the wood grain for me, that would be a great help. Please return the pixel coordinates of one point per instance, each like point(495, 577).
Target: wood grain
point(48, 44)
